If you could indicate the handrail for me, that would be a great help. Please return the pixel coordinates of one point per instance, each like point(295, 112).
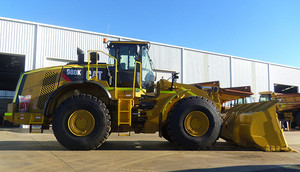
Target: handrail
point(116, 66)
point(134, 78)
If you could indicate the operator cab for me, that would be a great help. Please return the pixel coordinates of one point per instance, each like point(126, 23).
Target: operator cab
point(265, 98)
point(129, 55)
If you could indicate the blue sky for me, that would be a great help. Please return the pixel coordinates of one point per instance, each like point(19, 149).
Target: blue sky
point(266, 30)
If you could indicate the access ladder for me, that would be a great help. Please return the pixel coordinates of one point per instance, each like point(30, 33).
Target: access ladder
point(124, 112)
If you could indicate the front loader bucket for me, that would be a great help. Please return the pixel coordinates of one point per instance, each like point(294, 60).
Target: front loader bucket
point(255, 125)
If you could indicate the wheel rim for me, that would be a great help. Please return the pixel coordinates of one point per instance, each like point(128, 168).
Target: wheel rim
point(81, 123)
point(196, 123)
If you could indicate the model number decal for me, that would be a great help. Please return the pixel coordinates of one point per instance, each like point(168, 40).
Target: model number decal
point(83, 74)
point(73, 72)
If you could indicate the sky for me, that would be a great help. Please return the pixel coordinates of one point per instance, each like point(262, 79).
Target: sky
point(264, 30)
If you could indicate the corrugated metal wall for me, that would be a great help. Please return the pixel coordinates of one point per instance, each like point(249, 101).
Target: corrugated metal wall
point(55, 43)
point(203, 67)
point(284, 75)
point(167, 58)
point(46, 45)
point(18, 38)
point(255, 74)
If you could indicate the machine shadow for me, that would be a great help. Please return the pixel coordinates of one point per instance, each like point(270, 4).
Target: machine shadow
point(165, 146)
point(31, 146)
point(113, 145)
point(265, 168)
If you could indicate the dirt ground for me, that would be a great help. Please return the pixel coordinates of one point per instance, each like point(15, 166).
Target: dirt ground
point(23, 151)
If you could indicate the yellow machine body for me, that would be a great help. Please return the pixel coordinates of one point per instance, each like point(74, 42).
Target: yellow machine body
point(40, 85)
point(255, 125)
point(194, 108)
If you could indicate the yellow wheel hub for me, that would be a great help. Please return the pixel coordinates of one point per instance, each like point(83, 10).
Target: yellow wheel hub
point(196, 123)
point(81, 123)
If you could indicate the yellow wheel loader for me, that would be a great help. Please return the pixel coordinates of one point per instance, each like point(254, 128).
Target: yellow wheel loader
point(86, 101)
point(288, 106)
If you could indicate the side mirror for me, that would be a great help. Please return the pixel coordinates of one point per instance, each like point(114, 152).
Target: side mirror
point(174, 77)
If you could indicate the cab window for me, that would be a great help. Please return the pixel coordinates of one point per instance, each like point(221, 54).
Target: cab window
point(264, 98)
point(127, 58)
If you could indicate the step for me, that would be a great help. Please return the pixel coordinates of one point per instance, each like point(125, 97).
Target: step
point(124, 111)
point(36, 128)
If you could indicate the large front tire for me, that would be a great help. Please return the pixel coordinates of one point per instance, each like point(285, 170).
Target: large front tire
point(194, 123)
point(165, 133)
point(81, 122)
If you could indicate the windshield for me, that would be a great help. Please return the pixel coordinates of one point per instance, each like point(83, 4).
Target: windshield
point(147, 72)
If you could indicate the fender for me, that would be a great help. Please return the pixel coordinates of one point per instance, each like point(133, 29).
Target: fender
point(70, 84)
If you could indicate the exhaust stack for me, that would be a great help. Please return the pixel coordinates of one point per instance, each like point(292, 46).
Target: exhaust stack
point(80, 55)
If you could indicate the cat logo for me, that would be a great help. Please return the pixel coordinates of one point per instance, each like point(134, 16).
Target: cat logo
point(93, 74)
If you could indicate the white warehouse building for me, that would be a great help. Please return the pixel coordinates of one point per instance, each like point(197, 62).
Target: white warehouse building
point(27, 45)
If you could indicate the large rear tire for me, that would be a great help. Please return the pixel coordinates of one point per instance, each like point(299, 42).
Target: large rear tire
point(81, 122)
point(297, 119)
point(194, 123)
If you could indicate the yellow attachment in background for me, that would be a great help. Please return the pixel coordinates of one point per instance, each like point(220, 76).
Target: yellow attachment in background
point(255, 125)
